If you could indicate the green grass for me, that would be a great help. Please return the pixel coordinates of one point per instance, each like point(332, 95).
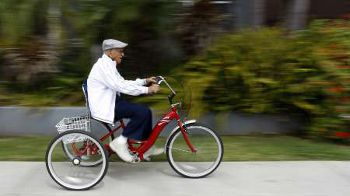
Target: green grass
point(30, 148)
point(276, 148)
point(237, 148)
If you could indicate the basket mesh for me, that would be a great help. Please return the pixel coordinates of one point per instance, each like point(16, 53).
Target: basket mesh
point(74, 123)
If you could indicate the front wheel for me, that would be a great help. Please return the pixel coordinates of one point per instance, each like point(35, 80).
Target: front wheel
point(206, 158)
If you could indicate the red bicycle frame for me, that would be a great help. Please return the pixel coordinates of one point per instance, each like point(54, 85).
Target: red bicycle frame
point(157, 129)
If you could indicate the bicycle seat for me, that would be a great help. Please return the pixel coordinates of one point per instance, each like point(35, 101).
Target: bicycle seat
point(84, 88)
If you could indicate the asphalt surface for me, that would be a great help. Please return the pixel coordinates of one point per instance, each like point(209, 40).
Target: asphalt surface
point(298, 178)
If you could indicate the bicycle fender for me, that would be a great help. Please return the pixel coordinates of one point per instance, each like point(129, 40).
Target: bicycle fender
point(185, 123)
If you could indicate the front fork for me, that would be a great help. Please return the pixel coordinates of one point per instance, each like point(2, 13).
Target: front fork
point(185, 133)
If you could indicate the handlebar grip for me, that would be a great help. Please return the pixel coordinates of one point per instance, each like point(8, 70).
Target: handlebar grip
point(159, 79)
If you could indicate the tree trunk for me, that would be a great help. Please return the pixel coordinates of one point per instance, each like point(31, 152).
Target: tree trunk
point(297, 12)
point(249, 13)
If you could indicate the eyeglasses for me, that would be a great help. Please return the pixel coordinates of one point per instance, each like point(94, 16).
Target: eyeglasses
point(119, 50)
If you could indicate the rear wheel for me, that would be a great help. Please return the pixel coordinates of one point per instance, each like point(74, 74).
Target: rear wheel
point(206, 159)
point(72, 173)
point(98, 129)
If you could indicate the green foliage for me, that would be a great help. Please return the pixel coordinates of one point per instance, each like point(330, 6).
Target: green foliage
point(18, 19)
point(305, 73)
point(332, 49)
point(67, 35)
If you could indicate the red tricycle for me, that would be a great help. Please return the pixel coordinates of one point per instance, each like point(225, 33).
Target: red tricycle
point(77, 159)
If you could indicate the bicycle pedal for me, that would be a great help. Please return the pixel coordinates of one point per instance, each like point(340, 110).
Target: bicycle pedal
point(136, 159)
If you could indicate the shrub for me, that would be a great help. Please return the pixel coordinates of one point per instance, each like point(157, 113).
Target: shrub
point(304, 73)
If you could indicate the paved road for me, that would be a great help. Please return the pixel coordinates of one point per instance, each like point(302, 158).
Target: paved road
point(311, 178)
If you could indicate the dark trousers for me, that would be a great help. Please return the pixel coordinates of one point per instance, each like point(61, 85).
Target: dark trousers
point(140, 125)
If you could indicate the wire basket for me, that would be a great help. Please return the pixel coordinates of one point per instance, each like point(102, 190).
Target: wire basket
point(74, 123)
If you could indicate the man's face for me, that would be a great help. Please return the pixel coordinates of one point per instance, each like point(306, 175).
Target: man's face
point(116, 54)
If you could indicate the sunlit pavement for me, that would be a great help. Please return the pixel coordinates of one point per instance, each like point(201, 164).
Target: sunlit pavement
point(311, 178)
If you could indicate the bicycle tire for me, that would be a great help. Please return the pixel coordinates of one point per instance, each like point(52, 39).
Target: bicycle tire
point(58, 178)
point(175, 148)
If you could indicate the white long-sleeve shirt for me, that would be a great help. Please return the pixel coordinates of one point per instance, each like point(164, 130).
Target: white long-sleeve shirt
point(104, 83)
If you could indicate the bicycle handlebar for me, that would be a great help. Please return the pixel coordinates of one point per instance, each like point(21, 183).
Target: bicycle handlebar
point(159, 80)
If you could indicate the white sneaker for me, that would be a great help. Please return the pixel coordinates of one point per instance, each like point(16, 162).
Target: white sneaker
point(153, 151)
point(121, 149)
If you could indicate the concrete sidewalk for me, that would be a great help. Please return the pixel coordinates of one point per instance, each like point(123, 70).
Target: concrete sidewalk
point(297, 178)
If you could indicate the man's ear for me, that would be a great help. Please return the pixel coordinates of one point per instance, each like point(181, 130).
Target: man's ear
point(108, 52)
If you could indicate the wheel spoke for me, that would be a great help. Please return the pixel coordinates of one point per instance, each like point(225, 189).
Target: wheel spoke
point(188, 151)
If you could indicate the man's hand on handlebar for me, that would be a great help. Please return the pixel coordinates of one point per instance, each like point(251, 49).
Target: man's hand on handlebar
point(154, 88)
point(151, 80)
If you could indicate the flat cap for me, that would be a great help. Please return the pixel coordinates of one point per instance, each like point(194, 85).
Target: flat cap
point(112, 43)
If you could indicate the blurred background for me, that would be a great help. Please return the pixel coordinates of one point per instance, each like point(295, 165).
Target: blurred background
point(285, 58)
